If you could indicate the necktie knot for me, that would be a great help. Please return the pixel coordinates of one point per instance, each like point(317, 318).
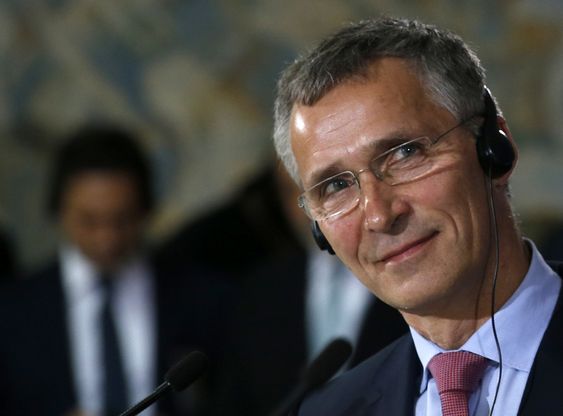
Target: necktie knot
point(106, 283)
point(457, 374)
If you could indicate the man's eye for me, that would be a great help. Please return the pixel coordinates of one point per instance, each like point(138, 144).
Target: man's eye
point(408, 150)
point(334, 185)
point(406, 153)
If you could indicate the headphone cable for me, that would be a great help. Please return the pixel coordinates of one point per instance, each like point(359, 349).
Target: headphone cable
point(494, 287)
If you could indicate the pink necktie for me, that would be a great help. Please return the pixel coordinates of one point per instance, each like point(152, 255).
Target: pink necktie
point(457, 374)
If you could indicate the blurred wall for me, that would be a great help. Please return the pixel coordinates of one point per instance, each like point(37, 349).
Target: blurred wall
point(196, 78)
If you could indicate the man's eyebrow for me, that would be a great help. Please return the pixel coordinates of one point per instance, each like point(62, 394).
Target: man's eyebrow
point(373, 149)
point(323, 173)
point(380, 146)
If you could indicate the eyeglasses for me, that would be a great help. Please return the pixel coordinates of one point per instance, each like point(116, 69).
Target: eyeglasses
point(340, 194)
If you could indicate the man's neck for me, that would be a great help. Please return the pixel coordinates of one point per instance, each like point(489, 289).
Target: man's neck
point(451, 330)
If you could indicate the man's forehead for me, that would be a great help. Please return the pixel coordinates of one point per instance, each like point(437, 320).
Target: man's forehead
point(391, 81)
point(359, 118)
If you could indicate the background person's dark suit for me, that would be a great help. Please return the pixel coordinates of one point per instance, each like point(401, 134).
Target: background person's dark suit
point(270, 344)
point(8, 258)
point(35, 356)
point(239, 234)
point(394, 390)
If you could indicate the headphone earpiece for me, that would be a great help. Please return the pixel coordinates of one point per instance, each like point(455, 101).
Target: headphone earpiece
point(320, 238)
point(494, 150)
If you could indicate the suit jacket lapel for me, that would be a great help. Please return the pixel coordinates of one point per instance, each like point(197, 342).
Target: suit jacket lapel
point(543, 389)
point(53, 338)
point(396, 387)
point(63, 341)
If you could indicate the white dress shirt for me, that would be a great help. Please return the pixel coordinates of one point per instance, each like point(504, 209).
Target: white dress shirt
point(336, 302)
point(135, 318)
point(520, 324)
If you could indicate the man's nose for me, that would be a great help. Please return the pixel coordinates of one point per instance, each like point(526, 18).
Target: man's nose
point(380, 205)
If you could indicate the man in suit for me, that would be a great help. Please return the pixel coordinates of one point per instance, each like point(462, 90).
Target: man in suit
point(94, 332)
point(404, 161)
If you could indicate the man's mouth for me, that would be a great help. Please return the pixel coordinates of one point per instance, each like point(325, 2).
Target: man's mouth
point(407, 250)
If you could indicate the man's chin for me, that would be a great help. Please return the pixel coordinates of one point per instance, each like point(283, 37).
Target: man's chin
point(406, 286)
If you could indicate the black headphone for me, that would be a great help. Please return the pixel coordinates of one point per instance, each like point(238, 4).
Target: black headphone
point(320, 238)
point(494, 151)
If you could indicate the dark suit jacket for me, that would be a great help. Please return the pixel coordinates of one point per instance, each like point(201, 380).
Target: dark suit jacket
point(36, 377)
point(387, 383)
point(269, 350)
point(238, 234)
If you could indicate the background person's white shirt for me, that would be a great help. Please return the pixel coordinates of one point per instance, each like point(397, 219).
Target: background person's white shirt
point(336, 302)
point(135, 319)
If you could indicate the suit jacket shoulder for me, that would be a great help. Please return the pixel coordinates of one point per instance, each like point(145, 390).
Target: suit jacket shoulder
point(543, 388)
point(385, 384)
point(267, 343)
point(34, 355)
point(193, 307)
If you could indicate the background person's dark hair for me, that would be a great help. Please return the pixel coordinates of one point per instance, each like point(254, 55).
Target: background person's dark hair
point(105, 148)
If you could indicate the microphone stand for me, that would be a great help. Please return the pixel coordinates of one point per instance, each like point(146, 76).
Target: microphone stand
point(147, 401)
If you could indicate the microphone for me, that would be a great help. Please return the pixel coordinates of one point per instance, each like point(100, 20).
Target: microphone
point(323, 367)
point(179, 377)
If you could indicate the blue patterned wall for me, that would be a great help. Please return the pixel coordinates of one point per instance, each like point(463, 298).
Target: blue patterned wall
point(196, 79)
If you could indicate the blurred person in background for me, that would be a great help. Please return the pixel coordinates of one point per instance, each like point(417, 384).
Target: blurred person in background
point(291, 306)
point(94, 331)
point(238, 234)
point(551, 245)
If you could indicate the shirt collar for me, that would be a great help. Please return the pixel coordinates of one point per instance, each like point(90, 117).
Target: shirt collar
point(80, 275)
point(530, 306)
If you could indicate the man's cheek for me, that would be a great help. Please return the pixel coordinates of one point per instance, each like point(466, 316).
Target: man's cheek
point(345, 238)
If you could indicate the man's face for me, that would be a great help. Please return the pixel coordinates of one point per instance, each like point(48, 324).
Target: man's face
point(101, 215)
point(420, 246)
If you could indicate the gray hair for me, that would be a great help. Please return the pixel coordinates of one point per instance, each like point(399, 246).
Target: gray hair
point(449, 70)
